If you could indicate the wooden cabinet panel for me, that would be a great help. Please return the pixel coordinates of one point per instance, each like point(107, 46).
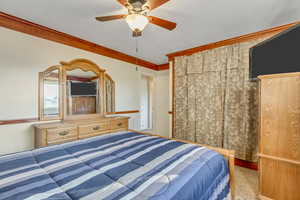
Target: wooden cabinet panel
point(280, 180)
point(279, 139)
point(83, 105)
point(280, 122)
point(270, 121)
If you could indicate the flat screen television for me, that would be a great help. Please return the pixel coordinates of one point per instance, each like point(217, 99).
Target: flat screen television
point(279, 54)
point(83, 88)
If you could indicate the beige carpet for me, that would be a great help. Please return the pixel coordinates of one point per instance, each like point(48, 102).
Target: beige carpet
point(246, 184)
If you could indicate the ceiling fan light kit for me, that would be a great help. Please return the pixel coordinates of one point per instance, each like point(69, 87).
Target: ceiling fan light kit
point(137, 22)
point(137, 17)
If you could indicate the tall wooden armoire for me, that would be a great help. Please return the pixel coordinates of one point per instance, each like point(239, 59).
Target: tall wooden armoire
point(279, 137)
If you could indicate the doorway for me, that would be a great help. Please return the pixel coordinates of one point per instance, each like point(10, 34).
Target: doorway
point(146, 102)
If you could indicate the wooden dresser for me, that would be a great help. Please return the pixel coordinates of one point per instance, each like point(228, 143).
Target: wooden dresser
point(279, 139)
point(71, 130)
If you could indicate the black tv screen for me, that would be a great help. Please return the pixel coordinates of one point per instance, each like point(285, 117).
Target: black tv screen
point(279, 54)
point(83, 89)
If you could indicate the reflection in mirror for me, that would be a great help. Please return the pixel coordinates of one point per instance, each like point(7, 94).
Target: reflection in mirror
point(51, 94)
point(109, 94)
point(82, 92)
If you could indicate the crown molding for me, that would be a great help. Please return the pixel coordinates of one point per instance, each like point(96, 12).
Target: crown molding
point(24, 26)
point(231, 41)
point(163, 67)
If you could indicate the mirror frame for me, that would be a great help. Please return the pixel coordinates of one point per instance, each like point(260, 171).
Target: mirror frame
point(106, 76)
point(84, 65)
point(42, 117)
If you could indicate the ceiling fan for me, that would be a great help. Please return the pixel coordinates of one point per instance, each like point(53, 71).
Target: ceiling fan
point(137, 17)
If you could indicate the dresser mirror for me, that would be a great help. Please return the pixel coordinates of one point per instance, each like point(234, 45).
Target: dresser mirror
point(50, 89)
point(82, 92)
point(75, 90)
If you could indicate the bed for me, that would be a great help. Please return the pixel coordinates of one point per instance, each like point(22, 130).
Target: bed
point(122, 165)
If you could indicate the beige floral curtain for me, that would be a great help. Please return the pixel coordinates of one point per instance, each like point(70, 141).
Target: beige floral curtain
point(215, 102)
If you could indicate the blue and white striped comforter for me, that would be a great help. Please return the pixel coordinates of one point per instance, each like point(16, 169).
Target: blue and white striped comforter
point(122, 165)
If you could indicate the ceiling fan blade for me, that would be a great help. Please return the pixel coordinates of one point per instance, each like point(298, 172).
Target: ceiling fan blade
point(123, 2)
point(162, 23)
point(155, 3)
point(109, 18)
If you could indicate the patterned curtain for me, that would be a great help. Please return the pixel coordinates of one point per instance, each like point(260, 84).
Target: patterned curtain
point(215, 102)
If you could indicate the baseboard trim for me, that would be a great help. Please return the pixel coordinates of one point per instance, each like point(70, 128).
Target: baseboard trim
point(246, 164)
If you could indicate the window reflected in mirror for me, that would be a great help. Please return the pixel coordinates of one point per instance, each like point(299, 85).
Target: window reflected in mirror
point(82, 92)
point(51, 94)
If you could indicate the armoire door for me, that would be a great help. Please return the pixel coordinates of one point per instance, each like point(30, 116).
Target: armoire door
point(280, 136)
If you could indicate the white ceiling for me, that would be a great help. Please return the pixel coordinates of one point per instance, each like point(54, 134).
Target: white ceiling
point(199, 22)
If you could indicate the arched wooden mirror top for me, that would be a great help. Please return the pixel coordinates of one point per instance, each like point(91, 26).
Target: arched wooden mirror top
point(84, 65)
point(74, 90)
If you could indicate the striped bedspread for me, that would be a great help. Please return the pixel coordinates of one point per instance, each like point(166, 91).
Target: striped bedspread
point(121, 165)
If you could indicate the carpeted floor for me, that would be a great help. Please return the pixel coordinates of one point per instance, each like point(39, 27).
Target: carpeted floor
point(246, 184)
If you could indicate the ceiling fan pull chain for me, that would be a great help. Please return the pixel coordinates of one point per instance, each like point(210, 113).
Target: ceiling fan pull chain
point(136, 45)
point(136, 51)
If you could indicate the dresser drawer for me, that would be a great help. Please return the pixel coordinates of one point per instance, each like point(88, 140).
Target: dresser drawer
point(83, 136)
point(119, 124)
point(61, 141)
point(61, 134)
point(93, 128)
point(71, 130)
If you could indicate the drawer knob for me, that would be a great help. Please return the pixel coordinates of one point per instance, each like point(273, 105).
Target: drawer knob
point(119, 124)
point(63, 133)
point(96, 128)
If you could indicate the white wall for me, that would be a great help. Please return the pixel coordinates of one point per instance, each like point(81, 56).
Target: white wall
point(23, 56)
